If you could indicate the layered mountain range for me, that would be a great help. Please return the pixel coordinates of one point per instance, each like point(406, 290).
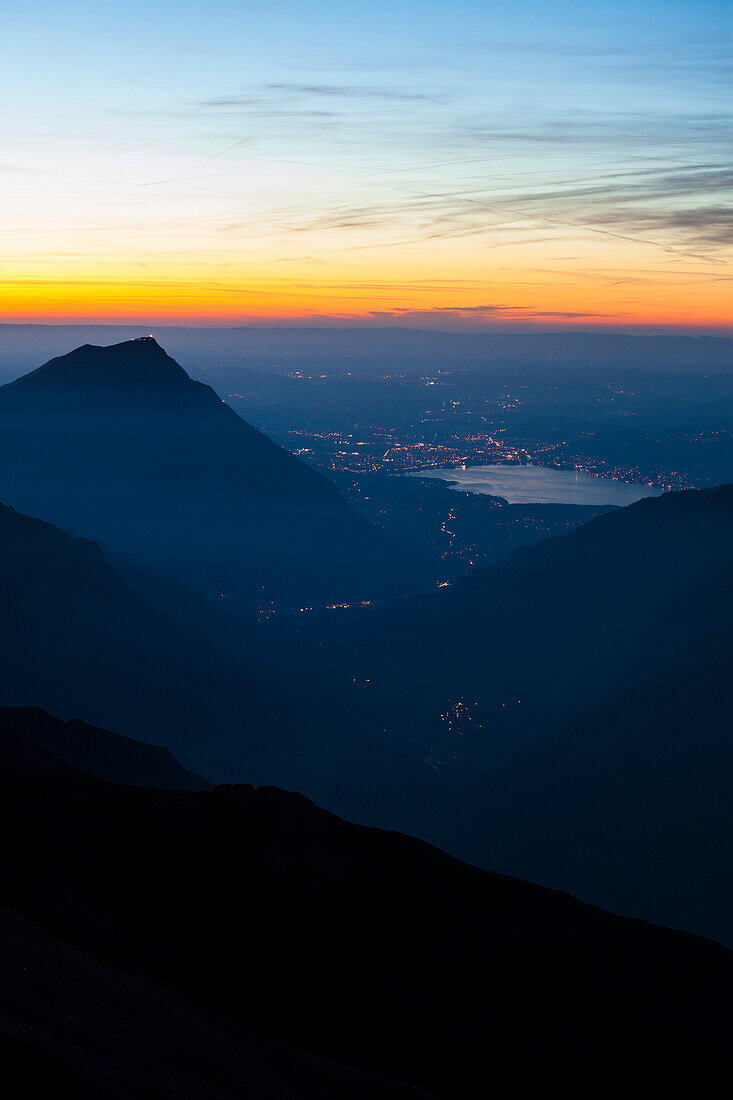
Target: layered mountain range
point(372, 717)
point(561, 716)
point(509, 652)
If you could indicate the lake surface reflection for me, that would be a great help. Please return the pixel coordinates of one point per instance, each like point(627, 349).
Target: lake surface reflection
point(540, 485)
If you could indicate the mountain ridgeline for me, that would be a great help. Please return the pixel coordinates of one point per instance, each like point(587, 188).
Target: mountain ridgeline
point(100, 753)
point(628, 806)
point(562, 715)
point(521, 645)
point(81, 642)
point(638, 602)
point(170, 942)
point(370, 348)
point(118, 444)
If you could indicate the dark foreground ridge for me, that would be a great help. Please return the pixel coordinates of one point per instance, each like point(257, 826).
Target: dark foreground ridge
point(80, 1030)
point(99, 752)
point(211, 912)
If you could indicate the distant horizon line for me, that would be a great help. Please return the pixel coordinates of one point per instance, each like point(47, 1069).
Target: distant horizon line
point(688, 331)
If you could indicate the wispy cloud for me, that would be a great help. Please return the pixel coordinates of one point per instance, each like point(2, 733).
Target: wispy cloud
point(354, 91)
point(670, 208)
point(466, 316)
point(288, 98)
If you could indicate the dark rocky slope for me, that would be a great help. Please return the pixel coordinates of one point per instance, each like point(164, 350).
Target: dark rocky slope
point(361, 946)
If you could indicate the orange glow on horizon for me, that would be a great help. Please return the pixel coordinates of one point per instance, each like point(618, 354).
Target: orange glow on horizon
point(504, 300)
point(490, 169)
point(460, 282)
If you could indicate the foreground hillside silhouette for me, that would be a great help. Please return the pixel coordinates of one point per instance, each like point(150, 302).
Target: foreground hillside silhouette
point(252, 909)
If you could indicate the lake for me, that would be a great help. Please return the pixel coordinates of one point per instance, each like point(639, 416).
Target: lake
point(540, 485)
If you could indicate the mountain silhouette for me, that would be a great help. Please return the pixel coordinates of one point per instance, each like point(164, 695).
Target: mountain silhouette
point(99, 752)
point(163, 424)
point(77, 641)
point(522, 645)
point(627, 807)
point(350, 711)
point(374, 345)
point(19, 756)
point(243, 908)
point(118, 444)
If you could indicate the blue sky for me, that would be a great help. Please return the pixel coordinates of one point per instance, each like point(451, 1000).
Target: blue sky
point(231, 137)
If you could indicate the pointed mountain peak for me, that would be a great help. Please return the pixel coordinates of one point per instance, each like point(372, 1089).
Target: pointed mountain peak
point(133, 364)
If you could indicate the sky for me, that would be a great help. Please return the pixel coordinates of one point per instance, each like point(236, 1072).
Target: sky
point(561, 164)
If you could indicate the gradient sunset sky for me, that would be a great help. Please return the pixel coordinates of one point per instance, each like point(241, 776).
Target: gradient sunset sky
point(447, 164)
